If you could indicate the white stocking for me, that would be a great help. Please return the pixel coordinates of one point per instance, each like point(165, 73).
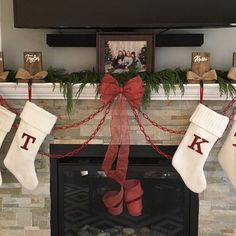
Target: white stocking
point(6, 120)
point(205, 128)
point(227, 155)
point(35, 125)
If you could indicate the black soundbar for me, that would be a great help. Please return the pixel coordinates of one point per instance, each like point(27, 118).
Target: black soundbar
point(89, 40)
point(179, 40)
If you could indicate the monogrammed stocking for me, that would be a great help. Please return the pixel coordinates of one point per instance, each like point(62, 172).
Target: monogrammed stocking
point(205, 128)
point(227, 155)
point(6, 120)
point(35, 124)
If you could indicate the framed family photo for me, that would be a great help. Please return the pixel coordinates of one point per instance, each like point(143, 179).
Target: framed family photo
point(123, 52)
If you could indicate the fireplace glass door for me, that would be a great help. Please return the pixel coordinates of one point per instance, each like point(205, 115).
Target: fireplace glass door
point(169, 208)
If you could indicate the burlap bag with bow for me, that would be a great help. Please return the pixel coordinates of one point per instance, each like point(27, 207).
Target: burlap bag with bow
point(232, 74)
point(3, 76)
point(24, 76)
point(208, 77)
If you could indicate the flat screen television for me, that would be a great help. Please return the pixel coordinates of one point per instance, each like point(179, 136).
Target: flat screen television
point(104, 14)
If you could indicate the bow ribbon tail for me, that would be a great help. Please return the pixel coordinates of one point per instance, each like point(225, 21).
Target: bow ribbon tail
point(117, 149)
point(123, 154)
point(119, 145)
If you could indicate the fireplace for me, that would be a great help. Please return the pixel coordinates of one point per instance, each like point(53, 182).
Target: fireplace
point(78, 184)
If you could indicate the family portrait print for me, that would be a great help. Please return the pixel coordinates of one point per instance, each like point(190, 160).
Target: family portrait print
point(123, 56)
point(124, 52)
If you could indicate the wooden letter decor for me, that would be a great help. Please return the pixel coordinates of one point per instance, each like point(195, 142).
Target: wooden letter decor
point(3, 74)
point(200, 62)
point(234, 59)
point(232, 72)
point(1, 62)
point(33, 62)
point(33, 68)
point(201, 70)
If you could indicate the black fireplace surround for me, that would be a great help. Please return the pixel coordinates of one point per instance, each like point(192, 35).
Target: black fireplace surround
point(78, 184)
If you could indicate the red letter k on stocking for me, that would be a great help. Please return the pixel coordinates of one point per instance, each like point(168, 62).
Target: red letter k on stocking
point(197, 144)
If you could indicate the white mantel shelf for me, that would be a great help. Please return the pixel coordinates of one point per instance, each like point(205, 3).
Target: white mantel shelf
point(48, 91)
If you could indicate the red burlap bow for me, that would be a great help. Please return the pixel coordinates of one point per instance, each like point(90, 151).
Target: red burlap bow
point(119, 146)
point(133, 90)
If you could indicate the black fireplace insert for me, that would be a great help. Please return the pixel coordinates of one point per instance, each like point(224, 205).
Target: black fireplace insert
point(78, 185)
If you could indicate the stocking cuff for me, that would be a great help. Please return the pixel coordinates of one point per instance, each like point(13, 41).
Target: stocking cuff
point(38, 117)
point(6, 119)
point(209, 120)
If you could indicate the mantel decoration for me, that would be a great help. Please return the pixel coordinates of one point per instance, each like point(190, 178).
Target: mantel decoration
point(123, 52)
point(167, 79)
point(33, 68)
point(232, 72)
point(118, 91)
point(206, 126)
point(201, 69)
point(3, 74)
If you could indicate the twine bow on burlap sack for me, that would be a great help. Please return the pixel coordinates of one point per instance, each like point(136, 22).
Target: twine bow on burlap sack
point(208, 77)
point(3, 75)
point(118, 149)
point(25, 75)
point(232, 73)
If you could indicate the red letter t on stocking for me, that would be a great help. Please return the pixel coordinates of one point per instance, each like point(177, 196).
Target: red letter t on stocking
point(28, 138)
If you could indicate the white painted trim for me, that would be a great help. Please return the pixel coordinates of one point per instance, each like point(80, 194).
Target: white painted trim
point(48, 91)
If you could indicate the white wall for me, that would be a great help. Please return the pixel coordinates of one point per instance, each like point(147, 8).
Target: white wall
point(0, 26)
point(220, 42)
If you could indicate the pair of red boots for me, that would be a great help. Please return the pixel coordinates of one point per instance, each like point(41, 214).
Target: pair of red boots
point(132, 191)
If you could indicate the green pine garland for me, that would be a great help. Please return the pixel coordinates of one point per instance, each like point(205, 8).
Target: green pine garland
point(225, 85)
point(168, 79)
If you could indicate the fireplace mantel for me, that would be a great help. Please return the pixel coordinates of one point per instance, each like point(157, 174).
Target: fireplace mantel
point(50, 91)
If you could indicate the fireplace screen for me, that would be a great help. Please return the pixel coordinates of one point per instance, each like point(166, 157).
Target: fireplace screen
point(78, 185)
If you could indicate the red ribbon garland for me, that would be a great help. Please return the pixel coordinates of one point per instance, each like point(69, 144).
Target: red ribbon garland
point(118, 148)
